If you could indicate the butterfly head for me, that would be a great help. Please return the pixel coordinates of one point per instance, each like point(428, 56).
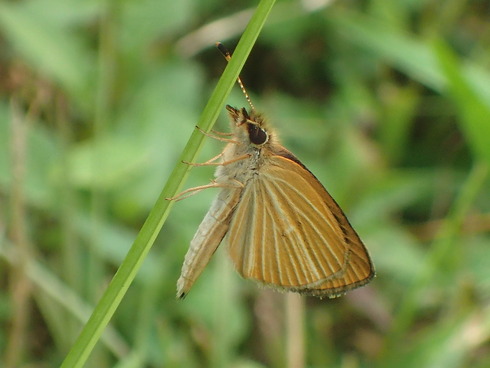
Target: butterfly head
point(249, 127)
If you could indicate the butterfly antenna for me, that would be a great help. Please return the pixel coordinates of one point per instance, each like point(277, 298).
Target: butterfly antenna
point(227, 56)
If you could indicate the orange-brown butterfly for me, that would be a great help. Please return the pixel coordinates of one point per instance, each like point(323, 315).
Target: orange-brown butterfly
point(283, 228)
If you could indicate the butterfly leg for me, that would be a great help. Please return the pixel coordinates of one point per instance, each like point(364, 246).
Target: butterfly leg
point(239, 158)
point(217, 136)
point(224, 163)
point(191, 191)
point(209, 162)
point(223, 134)
point(214, 184)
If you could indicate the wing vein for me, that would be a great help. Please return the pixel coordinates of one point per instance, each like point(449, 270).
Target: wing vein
point(316, 229)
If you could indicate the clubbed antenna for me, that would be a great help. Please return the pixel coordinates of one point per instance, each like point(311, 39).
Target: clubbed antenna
point(227, 56)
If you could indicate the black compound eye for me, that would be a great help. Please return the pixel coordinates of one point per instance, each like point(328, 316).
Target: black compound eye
point(257, 135)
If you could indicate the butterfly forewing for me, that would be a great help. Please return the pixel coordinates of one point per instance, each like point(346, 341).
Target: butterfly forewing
point(288, 232)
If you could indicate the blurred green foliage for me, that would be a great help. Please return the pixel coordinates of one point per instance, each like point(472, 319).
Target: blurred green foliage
point(387, 102)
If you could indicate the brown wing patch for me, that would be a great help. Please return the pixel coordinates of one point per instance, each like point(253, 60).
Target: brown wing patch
point(288, 232)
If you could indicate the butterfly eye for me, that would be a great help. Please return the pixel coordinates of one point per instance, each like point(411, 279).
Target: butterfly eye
point(257, 135)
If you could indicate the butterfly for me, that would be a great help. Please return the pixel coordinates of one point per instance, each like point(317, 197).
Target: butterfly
point(283, 228)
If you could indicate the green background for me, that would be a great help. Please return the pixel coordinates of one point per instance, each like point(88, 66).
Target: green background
point(387, 102)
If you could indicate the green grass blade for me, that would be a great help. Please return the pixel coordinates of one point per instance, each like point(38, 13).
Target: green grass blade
point(473, 110)
point(143, 242)
point(440, 251)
